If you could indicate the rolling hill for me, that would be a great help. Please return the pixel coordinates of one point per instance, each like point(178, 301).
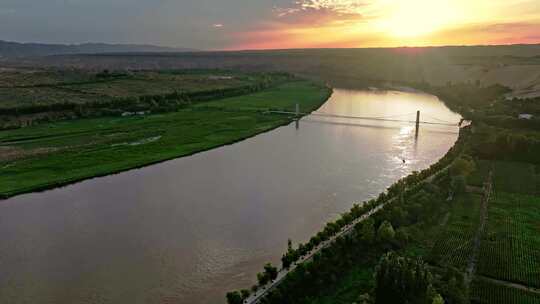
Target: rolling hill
point(16, 49)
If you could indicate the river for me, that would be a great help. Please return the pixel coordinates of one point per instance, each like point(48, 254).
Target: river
point(188, 230)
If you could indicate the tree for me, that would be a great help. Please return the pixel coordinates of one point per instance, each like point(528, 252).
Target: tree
point(270, 271)
point(234, 297)
point(462, 166)
point(367, 231)
point(398, 216)
point(453, 287)
point(286, 260)
point(459, 184)
point(437, 299)
point(262, 278)
point(290, 256)
point(415, 210)
point(402, 280)
point(402, 237)
point(289, 245)
point(386, 233)
point(244, 293)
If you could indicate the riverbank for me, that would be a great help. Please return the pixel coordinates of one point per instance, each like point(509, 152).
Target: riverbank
point(56, 154)
point(439, 222)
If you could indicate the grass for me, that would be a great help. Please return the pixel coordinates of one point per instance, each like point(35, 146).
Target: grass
point(55, 154)
point(270, 99)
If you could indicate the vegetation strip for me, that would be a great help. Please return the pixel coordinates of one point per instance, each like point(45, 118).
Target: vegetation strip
point(51, 155)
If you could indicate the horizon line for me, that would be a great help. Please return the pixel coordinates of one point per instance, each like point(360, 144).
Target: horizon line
point(197, 50)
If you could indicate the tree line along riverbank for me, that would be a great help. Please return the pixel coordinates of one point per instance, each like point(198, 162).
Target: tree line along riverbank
point(426, 237)
point(49, 155)
point(29, 97)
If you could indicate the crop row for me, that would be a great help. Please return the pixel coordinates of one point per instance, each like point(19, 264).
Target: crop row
point(510, 248)
point(454, 243)
point(453, 248)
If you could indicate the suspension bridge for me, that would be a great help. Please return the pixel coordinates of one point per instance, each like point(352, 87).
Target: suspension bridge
point(391, 118)
point(401, 118)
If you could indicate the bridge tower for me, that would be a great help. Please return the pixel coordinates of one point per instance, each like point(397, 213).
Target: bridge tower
point(417, 122)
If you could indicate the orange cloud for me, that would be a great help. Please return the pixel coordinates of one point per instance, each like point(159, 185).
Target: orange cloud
point(339, 6)
point(391, 23)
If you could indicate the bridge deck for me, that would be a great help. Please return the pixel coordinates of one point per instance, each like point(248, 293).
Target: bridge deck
point(364, 118)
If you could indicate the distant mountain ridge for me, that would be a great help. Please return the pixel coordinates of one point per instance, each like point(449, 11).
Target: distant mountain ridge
point(16, 49)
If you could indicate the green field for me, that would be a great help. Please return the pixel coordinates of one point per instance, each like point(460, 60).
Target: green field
point(454, 243)
point(510, 248)
point(515, 177)
point(54, 154)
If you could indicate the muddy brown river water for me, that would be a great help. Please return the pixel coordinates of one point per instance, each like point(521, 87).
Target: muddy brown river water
point(188, 230)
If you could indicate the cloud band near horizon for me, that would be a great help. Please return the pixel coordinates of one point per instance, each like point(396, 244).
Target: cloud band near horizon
point(272, 24)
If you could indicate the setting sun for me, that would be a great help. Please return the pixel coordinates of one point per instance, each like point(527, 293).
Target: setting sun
point(392, 23)
point(417, 17)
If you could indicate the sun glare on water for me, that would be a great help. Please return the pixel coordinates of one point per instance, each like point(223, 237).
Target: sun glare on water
point(415, 18)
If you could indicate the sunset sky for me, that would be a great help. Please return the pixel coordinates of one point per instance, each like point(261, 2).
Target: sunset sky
point(269, 24)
